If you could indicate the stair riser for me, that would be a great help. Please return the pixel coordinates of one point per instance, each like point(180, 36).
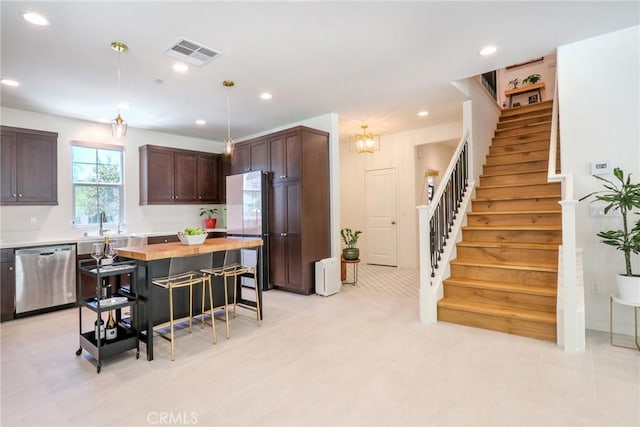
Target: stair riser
point(519, 178)
point(516, 205)
point(502, 298)
point(520, 146)
point(523, 328)
point(512, 236)
point(524, 191)
point(524, 130)
point(527, 156)
point(539, 108)
point(520, 167)
point(513, 123)
point(487, 254)
point(525, 218)
point(524, 277)
point(507, 140)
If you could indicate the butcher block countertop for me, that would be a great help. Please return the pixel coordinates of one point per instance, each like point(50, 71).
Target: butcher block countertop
point(177, 249)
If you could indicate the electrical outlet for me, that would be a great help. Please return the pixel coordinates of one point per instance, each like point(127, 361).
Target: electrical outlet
point(595, 288)
point(33, 220)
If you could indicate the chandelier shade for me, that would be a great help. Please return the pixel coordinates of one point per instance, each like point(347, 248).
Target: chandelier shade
point(366, 142)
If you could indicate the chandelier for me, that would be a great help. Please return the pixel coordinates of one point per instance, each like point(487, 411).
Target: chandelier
point(366, 142)
point(228, 143)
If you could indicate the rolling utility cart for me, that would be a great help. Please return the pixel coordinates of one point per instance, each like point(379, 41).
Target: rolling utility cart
point(127, 337)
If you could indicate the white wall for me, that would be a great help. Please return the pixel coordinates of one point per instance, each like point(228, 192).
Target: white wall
point(599, 98)
point(547, 70)
point(434, 156)
point(396, 151)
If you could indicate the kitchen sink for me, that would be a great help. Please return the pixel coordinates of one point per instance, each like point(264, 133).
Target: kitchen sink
point(85, 245)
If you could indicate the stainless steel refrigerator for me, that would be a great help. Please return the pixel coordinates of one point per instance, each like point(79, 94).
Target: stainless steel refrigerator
point(247, 216)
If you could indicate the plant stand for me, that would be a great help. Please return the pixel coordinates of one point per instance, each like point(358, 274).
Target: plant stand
point(636, 308)
point(343, 265)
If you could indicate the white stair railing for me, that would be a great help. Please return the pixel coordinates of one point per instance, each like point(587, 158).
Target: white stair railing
point(439, 224)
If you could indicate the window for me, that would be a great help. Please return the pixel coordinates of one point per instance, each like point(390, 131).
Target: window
point(98, 184)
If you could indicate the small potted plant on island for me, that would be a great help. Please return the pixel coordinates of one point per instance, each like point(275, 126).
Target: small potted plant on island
point(350, 238)
point(209, 221)
point(624, 197)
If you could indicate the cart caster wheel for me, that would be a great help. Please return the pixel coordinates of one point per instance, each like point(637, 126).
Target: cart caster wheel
point(98, 368)
point(137, 355)
point(79, 351)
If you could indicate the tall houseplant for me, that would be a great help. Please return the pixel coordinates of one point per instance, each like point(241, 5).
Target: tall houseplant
point(622, 196)
point(350, 238)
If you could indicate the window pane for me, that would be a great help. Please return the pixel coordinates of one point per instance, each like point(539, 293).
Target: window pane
point(109, 174)
point(109, 202)
point(86, 205)
point(84, 154)
point(108, 157)
point(83, 173)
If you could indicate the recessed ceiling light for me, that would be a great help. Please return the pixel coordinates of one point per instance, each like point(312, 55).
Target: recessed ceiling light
point(124, 105)
point(423, 113)
point(266, 96)
point(180, 67)
point(487, 50)
point(10, 82)
point(36, 19)
point(201, 122)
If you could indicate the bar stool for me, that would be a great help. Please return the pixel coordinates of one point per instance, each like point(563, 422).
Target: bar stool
point(231, 268)
point(186, 272)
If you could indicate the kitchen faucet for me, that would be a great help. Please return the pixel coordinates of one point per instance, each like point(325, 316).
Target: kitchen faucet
point(103, 219)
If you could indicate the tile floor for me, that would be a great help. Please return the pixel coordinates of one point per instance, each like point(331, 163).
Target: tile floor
point(359, 357)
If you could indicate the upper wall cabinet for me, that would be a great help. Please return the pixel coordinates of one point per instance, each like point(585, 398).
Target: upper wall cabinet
point(174, 176)
point(253, 156)
point(28, 167)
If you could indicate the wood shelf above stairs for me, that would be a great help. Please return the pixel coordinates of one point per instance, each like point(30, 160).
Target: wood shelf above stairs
point(505, 275)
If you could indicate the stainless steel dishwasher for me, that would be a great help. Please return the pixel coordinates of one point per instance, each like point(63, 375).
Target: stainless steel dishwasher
point(45, 277)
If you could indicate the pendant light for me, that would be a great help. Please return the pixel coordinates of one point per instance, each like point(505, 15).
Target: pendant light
point(366, 142)
point(118, 125)
point(228, 143)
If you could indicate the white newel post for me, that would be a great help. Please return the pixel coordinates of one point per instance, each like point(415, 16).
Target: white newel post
point(427, 302)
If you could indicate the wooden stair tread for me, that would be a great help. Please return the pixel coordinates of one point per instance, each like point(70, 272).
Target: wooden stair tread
point(518, 172)
point(511, 119)
point(497, 310)
point(525, 150)
point(514, 227)
point(516, 185)
point(524, 136)
point(494, 199)
point(527, 212)
point(509, 265)
point(545, 291)
point(517, 152)
point(524, 126)
point(509, 245)
point(517, 162)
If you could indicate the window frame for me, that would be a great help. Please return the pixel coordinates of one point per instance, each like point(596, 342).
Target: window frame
point(98, 146)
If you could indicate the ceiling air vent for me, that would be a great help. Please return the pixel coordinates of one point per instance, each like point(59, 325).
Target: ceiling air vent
point(191, 52)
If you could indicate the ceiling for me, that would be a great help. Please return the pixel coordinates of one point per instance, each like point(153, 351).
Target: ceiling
point(375, 63)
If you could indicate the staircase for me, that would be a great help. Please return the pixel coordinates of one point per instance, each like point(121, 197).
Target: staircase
point(505, 275)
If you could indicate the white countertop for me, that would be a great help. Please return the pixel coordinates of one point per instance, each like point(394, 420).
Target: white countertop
point(54, 240)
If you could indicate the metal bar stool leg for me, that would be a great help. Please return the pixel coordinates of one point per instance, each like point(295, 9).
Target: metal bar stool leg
point(256, 285)
point(173, 350)
point(226, 308)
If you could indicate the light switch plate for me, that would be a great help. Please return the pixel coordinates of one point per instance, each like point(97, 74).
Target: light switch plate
point(601, 167)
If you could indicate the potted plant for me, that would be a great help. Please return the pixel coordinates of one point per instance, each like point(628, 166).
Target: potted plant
point(623, 196)
point(515, 82)
point(350, 238)
point(531, 79)
point(209, 221)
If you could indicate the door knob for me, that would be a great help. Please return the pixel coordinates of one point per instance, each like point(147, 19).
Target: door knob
point(393, 223)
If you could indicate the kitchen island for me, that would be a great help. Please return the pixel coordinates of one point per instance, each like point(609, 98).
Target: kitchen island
point(154, 260)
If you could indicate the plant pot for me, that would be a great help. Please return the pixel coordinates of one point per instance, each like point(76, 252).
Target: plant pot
point(210, 222)
point(351, 253)
point(628, 287)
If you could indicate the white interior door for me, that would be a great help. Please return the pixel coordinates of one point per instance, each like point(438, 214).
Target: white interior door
point(381, 237)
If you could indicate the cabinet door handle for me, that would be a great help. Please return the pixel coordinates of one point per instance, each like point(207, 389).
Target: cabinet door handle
point(14, 195)
point(393, 223)
point(200, 197)
point(19, 195)
point(283, 176)
point(10, 268)
point(175, 197)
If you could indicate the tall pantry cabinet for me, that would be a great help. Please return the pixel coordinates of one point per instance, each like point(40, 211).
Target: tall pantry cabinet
point(299, 220)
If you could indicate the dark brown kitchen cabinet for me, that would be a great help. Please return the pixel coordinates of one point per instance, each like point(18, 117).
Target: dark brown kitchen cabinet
point(154, 240)
point(174, 176)
point(28, 167)
point(7, 284)
point(285, 156)
point(253, 156)
point(299, 208)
